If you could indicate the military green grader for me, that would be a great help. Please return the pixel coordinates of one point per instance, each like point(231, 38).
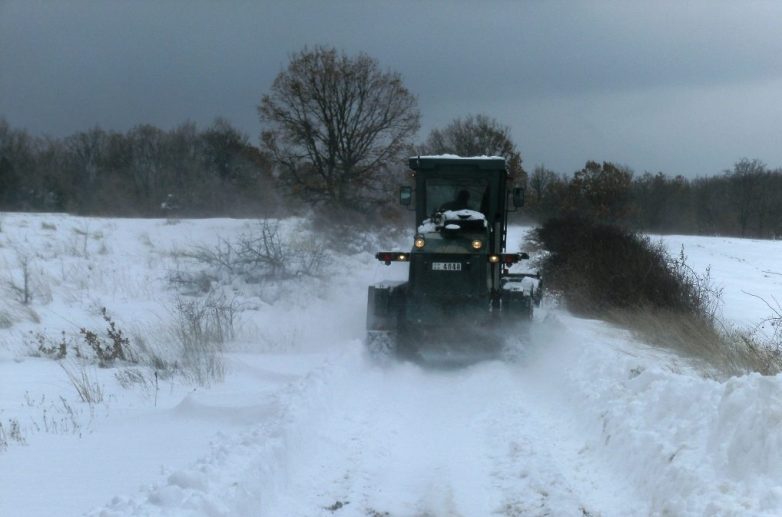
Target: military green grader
point(460, 289)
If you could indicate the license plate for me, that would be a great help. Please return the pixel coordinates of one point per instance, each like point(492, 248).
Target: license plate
point(446, 266)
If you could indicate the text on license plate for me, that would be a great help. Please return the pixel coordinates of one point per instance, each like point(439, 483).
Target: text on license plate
point(446, 266)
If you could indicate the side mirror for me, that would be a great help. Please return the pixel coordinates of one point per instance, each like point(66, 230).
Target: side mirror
point(518, 197)
point(405, 195)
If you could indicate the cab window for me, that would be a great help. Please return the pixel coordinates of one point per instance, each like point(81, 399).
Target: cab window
point(447, 194)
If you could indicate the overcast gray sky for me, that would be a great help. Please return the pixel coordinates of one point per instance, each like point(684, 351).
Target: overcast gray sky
point(683, 87)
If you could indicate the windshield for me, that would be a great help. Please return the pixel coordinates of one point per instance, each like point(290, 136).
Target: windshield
point(447, 194)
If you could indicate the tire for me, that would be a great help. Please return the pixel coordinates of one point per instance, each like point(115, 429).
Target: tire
point(381, 344)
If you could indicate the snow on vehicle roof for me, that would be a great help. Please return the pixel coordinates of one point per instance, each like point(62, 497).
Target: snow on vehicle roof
point(434, 224)
point(457, 157)
point(465, 214)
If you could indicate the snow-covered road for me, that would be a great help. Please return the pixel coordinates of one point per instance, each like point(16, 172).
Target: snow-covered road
point(585, 422)
point(355, 438)
point(408, 440)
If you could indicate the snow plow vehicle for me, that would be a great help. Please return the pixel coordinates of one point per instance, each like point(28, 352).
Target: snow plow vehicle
point(459, 289)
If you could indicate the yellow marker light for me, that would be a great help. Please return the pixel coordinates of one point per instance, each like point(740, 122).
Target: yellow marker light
point(476, 244)
point(419, 242)
point(402, 257)
point(494, 259)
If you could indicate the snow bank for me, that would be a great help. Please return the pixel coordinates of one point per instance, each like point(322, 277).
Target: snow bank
point(691, 445)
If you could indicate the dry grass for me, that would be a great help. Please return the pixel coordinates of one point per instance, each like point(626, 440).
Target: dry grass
point(201, 328)
point(88, 388)
point(720, 349)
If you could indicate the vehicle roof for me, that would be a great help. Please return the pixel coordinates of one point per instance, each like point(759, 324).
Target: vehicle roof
point(434, 161)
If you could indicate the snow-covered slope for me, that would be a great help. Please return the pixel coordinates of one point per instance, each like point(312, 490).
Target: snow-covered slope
point(745, 269)
point(585, 421)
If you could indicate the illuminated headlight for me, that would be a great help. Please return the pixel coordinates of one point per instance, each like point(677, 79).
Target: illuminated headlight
point(476, 244)
point(402, 257)
point(419, 242)
point(494, 259)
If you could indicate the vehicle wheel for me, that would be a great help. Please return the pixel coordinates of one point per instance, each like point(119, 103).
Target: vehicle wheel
point(381, 344)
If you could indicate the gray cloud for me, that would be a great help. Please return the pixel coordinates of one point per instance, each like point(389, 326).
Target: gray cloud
point(658, 86)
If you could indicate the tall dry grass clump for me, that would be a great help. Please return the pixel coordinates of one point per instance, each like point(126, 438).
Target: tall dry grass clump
point(201, 328)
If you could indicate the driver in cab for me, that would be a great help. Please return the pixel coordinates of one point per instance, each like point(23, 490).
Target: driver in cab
point(460, 203)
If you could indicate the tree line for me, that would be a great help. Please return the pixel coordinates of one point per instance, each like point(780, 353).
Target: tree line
point(744, 201)
point(336, 130)
point(145, 171)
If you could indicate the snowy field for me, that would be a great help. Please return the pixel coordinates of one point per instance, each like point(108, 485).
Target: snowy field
point(586, 422)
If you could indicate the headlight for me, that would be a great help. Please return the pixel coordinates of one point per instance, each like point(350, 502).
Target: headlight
point(476, 244)
point(419, 242)
point(494, 259)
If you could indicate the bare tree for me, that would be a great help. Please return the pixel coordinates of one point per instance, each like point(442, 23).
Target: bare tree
point(477, 135)
point(745, 179)
point(334, 123)
point(147, 144)
point(540, 181)
point(87, 148)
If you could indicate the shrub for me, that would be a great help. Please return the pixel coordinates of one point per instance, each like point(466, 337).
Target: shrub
point(263, 254)
point(50, 348)
point(765, 341)
point(116, 348)
point(23, 290)
point(604, 271)
point(774, 321)
point(599, 268)
point(202, 326)
point(12, 433)
point(30, 283)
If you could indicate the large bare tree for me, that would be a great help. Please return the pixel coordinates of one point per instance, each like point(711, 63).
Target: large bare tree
point(334, 123)
point(476, 135)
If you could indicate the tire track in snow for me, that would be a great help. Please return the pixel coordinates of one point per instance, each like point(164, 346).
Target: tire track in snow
point(406, 440)
point(354, 439)
point(242, 472)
